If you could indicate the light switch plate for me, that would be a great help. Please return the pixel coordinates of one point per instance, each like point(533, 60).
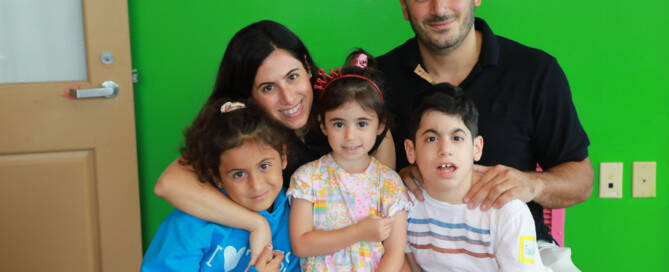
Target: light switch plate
point(643, 179)
point(611, 180)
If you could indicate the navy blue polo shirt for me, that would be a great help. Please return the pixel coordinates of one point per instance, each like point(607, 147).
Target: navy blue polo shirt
point(527, 115)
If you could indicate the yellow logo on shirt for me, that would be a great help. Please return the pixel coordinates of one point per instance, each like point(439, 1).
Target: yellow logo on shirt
point(528, 248)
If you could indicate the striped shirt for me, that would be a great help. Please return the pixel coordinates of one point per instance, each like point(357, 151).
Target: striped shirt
point(447, 237)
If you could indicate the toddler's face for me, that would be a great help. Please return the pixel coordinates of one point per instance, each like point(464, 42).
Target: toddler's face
point(444, 151)
point(351, 131)
point(251, 174)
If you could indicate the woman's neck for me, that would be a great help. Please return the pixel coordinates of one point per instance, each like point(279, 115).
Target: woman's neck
point(301, 132)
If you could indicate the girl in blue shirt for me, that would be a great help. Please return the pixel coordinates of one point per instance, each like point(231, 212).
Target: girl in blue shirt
point(242, 152)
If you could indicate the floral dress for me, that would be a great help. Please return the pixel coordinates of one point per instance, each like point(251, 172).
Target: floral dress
point(341, 199)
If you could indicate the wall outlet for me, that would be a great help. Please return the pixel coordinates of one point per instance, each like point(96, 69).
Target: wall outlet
point(643, 179)
point(611, 180)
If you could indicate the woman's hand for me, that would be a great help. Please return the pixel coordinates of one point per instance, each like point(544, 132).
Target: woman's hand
point(260, 237)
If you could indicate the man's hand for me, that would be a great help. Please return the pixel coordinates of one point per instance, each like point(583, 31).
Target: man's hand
point(269, 260)
point(501, 184)
point(412, 180)
point(375, 228)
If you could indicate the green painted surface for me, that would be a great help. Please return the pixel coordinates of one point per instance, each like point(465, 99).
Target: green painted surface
point(612, 53)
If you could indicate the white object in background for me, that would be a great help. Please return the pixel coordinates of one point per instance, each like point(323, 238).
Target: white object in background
point(643, 179)
point(611, 180)
point(42, 41)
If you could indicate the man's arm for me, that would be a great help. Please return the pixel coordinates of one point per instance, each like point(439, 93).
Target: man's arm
point(564, 185)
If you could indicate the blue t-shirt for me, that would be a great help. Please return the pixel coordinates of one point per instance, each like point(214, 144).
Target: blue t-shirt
point(187, 243)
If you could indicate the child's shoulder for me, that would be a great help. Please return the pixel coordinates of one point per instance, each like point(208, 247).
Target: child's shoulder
point(314, 165)
point(514, 208)
point(179, 221)
point(184, 219)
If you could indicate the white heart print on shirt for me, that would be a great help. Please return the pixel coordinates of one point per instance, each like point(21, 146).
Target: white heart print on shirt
point(232, 256)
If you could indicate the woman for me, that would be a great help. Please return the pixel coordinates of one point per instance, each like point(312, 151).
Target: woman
point(267, 63)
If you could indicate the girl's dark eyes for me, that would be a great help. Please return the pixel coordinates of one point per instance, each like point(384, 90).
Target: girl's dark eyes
point(338, 124)
point(238, 175)
point(362, 124)
point(293, 76)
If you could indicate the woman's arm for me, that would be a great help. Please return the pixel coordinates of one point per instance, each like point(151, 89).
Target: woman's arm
point(385, 153)
point(180, 187)
point(393, 247)
point(307, 242)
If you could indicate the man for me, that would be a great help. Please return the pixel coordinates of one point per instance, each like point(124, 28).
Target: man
point(526, 112)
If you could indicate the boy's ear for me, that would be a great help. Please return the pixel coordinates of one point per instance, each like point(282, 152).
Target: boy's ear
point(284, 158)
point(409, 148)
point(322, 125)
point(478, 148)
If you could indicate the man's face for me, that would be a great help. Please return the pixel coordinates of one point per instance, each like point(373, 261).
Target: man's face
point(440, 24)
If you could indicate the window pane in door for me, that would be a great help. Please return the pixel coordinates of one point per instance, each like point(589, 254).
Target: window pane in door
point(41, 41)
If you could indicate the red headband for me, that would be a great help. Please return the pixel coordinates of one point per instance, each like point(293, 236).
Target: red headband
point(327, 79)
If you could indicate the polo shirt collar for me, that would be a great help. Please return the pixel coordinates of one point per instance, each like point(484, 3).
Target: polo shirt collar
point(489, 45)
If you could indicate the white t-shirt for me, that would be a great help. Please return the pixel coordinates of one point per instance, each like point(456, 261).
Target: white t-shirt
point(446, 237)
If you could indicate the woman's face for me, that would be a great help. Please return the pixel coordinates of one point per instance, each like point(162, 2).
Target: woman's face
point(282, 87)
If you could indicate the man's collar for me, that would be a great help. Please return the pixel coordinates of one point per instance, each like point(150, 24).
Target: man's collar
point(489, 45)
point(489, 55)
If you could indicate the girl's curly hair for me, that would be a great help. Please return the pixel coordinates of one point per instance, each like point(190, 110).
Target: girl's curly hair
point(213, 132)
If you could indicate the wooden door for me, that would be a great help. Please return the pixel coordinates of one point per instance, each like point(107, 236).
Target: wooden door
point(69, 196)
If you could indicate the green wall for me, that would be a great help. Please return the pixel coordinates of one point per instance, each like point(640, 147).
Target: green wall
point(612, 53)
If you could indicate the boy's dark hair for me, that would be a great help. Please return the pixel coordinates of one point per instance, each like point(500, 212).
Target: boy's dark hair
point(447, 99)
point(214, 132)
point(344, 90)
point(247, 49)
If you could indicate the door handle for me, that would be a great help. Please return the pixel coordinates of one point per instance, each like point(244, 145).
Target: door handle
point(109, 89)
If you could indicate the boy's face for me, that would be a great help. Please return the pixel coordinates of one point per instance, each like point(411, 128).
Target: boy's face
point(444, 151)
point(251, 175)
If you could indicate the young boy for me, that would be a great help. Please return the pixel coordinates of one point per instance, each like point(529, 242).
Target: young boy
point(243, 152)
point(442, 234)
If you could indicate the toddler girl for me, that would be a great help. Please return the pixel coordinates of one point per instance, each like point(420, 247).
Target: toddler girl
point(349, 210)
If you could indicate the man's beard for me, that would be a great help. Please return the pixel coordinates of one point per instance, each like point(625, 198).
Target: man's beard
point(449, 44)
